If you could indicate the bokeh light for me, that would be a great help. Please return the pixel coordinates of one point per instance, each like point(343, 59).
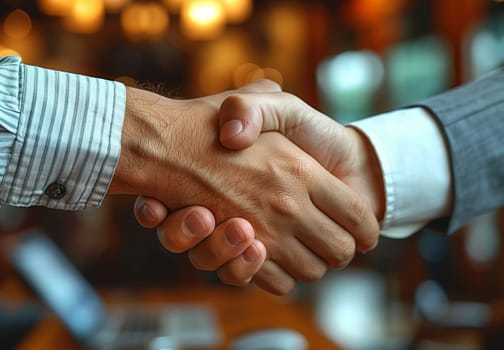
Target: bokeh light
point(145, 21)
point(85, 16)
point(202, 19)
point(237, 10)
point(5, 51)
point(173, 5)
point(17, 25)
point(115, 6)
point(55, 7)
point(242, 73)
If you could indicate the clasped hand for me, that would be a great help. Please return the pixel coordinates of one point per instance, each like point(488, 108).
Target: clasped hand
point(265, 211)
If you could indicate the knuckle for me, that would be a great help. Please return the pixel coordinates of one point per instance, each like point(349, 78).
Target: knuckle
point(343, 254)
point(284, 204)
point(357, 210)
point(300, 168)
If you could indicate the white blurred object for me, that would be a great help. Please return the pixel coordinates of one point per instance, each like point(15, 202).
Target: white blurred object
point(482, 242)
point(270, 339)
point(485, 52)
point(351, 309)
point(434, 305)
point(163, 343)
point(349, 83)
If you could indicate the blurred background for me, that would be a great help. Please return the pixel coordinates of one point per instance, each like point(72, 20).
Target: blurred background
point(348, 58)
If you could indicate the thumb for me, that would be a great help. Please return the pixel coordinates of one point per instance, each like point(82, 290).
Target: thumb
point(240, 122)
point(242, 117)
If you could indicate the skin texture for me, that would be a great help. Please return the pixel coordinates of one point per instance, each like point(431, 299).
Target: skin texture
point(352, 163)
point(343, 151)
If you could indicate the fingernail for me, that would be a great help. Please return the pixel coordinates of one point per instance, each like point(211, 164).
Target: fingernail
point(194, 225)
point(145, 211)
point(231, 129)
point(250, 254)
point(233, 236)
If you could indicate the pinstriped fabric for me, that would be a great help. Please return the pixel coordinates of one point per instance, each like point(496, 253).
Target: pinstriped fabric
point(472, 119)
point(69, 133)
point(9, 107)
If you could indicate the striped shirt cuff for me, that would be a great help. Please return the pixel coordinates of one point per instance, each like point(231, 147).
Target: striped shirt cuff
point(67, 140)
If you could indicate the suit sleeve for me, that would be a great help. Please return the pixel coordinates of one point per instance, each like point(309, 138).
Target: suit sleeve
point(471, 118)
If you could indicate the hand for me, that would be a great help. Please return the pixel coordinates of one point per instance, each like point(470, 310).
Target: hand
point(361, 228)
point(170, 150)
point(180, 231)
point(343, 151)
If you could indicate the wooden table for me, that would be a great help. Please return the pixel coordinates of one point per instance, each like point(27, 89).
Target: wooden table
point(238, 310)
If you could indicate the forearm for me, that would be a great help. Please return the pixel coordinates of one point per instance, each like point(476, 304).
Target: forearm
point(161, 142)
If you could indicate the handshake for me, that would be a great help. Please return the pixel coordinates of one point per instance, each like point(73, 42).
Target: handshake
point(263, 188)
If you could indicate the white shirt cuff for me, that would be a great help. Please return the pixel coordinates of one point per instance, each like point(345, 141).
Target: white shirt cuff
point(416, 169)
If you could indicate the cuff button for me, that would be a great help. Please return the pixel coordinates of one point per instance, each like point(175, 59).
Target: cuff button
point(55, 190)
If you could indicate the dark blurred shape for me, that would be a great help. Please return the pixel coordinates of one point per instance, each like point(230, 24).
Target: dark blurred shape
point(17, 321)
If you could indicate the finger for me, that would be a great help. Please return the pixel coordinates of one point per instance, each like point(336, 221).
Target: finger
point(331, 242)
point(149, 212)
point(241, 270)
point(185, 228)
point(298, 260)
point(229, 239)
point(272, 278)
point(344, 206)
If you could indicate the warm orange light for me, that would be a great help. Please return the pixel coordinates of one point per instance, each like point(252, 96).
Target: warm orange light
point(127, 80)
point(55, 7)
point(116, 6)
point(17, 25)
point(237, 10)
point(366, 12)
point(273, 74)
point(202, 19)
point(214, 68)
point(145, 21)
point(173, 5)
point(85, 16)
point(265, 73)
point(5, 51)
point(242, 73)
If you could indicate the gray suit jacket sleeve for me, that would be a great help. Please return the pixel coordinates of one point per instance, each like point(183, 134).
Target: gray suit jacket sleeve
point(472, 120)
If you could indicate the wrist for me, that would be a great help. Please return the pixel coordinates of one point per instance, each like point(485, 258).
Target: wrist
point(139, 142)
point(373, 185)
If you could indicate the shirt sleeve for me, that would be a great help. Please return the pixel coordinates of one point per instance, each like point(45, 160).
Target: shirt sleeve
point(60, 136)
point(415, 164)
